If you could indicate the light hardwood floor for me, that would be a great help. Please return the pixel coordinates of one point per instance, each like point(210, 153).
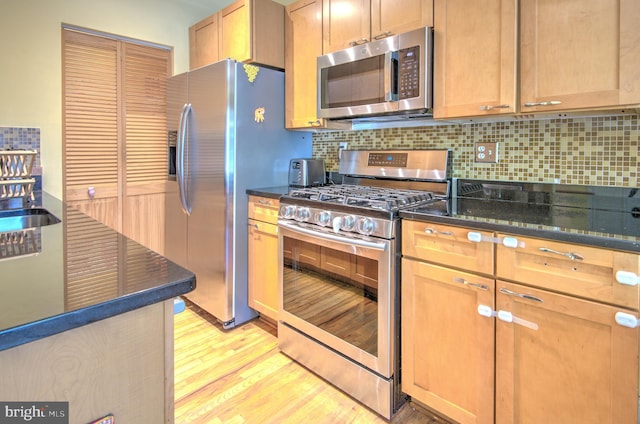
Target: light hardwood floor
point(240, 376)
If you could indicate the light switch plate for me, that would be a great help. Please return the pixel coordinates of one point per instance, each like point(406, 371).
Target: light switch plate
point(486, 152)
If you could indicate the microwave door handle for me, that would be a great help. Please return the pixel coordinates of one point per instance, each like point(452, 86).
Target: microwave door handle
point(391, 76)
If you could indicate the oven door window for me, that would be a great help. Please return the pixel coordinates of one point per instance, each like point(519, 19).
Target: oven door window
point(333, 290)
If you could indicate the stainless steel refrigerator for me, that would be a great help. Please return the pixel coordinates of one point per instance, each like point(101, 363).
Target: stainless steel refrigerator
point(226, 134)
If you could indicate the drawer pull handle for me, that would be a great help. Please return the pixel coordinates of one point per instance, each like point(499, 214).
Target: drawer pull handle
point(264, 202)
point(570, 255)
point(520, 295)
point(490, 107)
point(468, 283)
point(434, 231)
point(627, 278)
point(547, 103)
point(509, 317)
point(627, 320)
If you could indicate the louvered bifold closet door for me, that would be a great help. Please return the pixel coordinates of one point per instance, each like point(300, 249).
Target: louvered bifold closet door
point(90, 125)
point(145, 71)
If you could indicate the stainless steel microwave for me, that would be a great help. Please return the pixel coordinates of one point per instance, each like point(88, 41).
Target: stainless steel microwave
point(390, 76)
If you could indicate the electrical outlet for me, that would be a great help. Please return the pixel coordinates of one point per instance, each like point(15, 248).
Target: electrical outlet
point(486, 152)
point(343, 145)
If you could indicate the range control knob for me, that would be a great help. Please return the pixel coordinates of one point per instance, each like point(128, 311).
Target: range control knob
point(302, 214)
point(348, 222)
point(287, 211)
point(366, 226)
point(323, 218)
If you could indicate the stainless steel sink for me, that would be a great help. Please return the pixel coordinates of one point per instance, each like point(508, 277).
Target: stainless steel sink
point(21, 219)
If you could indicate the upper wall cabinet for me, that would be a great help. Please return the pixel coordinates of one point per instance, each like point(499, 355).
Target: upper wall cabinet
point(250, 31)
point(579, 54)
point(347, 23)
point(572, 56)
point(204, 42)
point(475, 57)
point(303, 44)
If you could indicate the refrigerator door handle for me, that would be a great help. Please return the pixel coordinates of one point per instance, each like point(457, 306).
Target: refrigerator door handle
point(180, 161)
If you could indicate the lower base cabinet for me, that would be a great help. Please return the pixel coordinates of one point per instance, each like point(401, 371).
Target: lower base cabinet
point(447, 347)
point(539, 340)
point(563, 360)
point(262, 255)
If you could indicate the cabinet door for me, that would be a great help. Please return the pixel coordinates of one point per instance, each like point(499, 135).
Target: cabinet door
point(204, 40)
point(577, 366)
point(474, 57)
point(448, 245)
point(344, 23)
point(263, 268)
point(235, 23)
point(447, 347)
point(303, 44)
point(389, 17)
point(579, 270)
point(582, 54)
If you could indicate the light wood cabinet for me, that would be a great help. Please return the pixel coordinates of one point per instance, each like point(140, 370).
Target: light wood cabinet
point(553, 305)
point(263, 255)
point(448, 245)
point(204, 42)
point(303, 44)
point(577, 270)
point(250, 31)
point(577, 366)
point(447, 347)
point(353, 22)
point(584, 55)
point(475, 45)
point(570, 56)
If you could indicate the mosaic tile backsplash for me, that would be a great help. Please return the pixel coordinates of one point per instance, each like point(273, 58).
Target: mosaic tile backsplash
point(600, 151)
point(21, 139)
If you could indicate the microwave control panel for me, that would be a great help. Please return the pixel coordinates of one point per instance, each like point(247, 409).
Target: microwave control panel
point(409, 73)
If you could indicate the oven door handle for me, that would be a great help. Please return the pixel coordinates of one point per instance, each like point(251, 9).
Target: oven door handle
point(333, 237)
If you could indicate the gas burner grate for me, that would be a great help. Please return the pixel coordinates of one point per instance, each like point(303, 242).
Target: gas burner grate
point(364, 196)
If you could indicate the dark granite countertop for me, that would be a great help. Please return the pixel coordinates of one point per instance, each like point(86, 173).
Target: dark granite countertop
point(75, 272)
point(598, 216)
point(606, 217)
point(270, 192)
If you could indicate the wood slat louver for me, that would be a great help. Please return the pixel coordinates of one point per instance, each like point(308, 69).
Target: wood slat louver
point(145, 69)
point(90, 104)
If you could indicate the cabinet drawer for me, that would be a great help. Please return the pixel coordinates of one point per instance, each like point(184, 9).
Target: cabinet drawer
point(448, 245)
point(579, 270)
point(263, 209)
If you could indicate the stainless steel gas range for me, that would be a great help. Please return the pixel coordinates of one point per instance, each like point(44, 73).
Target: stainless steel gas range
point(339, 266)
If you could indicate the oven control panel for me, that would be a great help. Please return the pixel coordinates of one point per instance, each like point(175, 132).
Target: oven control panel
point(395, 159)
point(338, 222)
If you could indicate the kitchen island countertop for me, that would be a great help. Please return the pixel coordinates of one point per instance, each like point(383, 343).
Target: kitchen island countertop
point(62, 276)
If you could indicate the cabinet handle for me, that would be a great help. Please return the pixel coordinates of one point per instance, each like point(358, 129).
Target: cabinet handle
point(547, 103)
point(520, 295)
point(489, 107)
point(264, 202)
point(468, 283)
point(315, 123)
point(254, 226)
point(570, 255)
point(434, 231)
point(358, 42)
point(382, 35)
